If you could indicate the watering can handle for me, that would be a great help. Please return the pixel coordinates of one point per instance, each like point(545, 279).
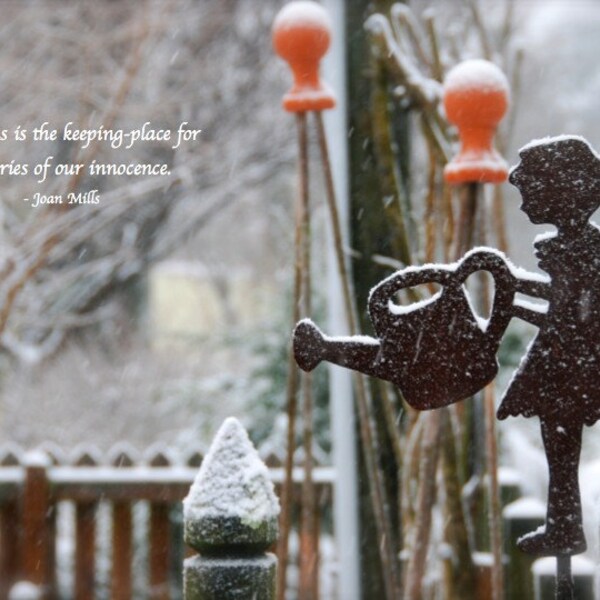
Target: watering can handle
point(504, 286)
point(381, 295)
point(451, 280)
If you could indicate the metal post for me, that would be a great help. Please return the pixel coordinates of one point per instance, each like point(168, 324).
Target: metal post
point(343, 427)
point(544, 578)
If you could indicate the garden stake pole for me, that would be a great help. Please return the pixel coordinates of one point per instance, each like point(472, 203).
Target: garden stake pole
point(565, 587)
point(475, 99)
point(302, 298)
point(308, 545)
point(491, 451)
point(301, 307)
point(364, 400)
point(466, 226)
point(426, 493)
point(467, 218)
point(293, 373)
point(468, 231)
point(301, 36)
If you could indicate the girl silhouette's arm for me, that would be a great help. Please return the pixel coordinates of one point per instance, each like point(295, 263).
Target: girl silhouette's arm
point(537, 286)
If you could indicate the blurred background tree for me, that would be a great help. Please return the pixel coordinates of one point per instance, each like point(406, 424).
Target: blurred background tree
point(77, 287)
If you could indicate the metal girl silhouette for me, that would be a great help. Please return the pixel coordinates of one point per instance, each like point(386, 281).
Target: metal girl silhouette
point(438, 352)
point(559, 378)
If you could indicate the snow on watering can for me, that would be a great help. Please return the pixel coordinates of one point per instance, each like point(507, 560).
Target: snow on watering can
point(437, 351)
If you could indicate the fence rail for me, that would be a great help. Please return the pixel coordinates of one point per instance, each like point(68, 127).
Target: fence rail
point(34, 485)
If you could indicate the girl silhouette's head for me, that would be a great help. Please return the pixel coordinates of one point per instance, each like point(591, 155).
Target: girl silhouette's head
point(559, 181)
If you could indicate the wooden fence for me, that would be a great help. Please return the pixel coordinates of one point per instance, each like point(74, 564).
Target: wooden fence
point(104, 493)
point(107, 495)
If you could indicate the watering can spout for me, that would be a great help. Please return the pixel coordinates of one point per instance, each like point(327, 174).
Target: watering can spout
point(311, 346)
point(308, 345)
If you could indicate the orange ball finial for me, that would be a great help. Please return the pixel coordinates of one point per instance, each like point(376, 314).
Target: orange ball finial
point(301, 36)
point(476, 96)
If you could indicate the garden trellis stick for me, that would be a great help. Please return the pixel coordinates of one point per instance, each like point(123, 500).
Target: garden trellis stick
point(301, 305)
point(364, 400)
point(308, 541)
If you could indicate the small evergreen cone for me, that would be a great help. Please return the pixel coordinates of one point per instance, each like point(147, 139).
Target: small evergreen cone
point(230, 518)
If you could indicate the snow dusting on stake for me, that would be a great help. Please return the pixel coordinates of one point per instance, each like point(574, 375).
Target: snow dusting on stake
point(230, 517)
point(438, 353)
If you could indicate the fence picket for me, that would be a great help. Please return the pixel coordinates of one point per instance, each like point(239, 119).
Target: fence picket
point(160, 540)
point(122, 457)
point(10, 456)
point(159, 551)
point(85, 535)
point(122, 551)
point(85, 518)
point(37, 542)
point(9, 552)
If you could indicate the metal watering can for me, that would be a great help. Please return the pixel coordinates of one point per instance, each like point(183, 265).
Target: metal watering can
point(436, 351)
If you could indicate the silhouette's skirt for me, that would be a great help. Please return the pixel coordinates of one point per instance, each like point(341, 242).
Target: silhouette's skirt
point(553, 384)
